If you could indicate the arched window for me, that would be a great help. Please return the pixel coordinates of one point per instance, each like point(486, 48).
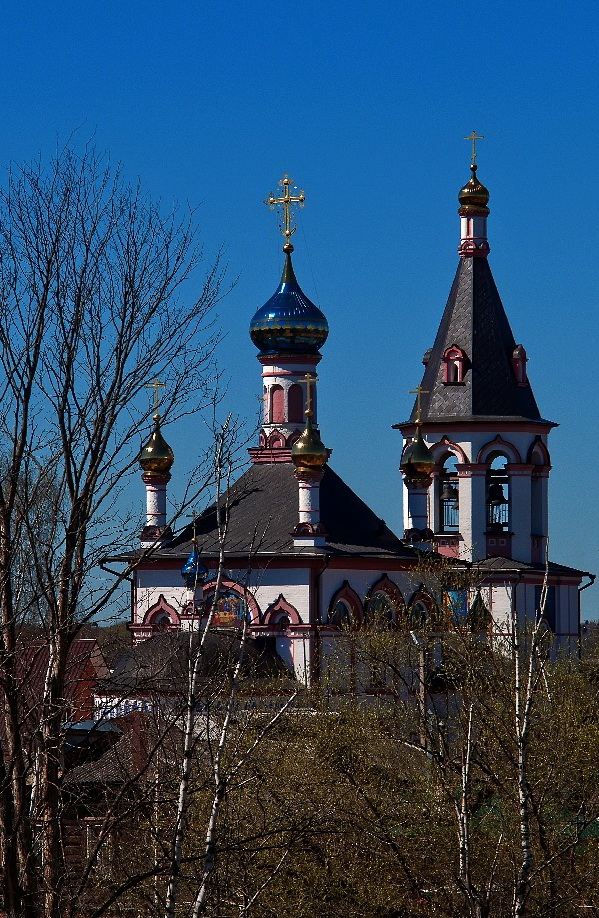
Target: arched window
point(449, 495)
point(345, 608)
point(277, 405)
point(519, 360)
point(538, 456)
point(498, 516)
point(454, 361)
point(295, 401)
point(341, 615)
point(276, 440)
point(381, 611)
point(418, 614)
point(280, 614)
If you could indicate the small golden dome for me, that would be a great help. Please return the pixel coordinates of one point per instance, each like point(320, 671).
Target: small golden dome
point(308, 453)
point(473, 192)
point(156, 457)
point(417, 461)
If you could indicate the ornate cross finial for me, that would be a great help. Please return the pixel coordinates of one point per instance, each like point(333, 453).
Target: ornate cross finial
point(156, 385)
point(309, 380)
point(194, 516)
point(418, 392)
point(474, 137)
point(286, 199)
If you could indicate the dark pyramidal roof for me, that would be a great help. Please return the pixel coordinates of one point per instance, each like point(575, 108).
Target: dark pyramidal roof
point(475, 321)
point(263, 511)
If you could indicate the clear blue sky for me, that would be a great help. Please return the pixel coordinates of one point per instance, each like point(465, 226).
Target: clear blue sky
point(365, 105)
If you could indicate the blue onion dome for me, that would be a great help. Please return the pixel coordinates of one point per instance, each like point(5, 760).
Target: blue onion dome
point(289, 323)
point(194, 571)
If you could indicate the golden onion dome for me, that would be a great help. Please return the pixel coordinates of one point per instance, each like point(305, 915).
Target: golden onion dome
point(308, 453)
point(473, 193)
point(417, 460)
point(156, 457)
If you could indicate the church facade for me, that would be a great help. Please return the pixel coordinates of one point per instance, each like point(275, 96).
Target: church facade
point(304, 557)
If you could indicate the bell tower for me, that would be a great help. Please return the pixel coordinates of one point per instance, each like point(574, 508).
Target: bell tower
point(478, 416)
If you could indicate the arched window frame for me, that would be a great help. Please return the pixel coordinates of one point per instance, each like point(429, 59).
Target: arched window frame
point(295, 404)
point(384, 586)
point(519, 361)
point(352, 601)
point(448, 510)
point(277, 404)
point(277, 610)
point(230, 585)
point(276, 440)
point(454, 366)
point(421, 598)
point(156, 613)
point(497, 447)
point(498, 514)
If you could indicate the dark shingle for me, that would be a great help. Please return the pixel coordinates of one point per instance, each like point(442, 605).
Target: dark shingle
point(263, 511)
point(475, 320)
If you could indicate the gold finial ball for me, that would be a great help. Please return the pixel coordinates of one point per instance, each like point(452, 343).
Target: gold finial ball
point(308, 453)
point(473, 192)
point(288, 248)
point(156, 457)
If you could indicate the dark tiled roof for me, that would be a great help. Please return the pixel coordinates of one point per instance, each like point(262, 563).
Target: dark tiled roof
point(507, 564)
point(264, 510)
point(475, 321)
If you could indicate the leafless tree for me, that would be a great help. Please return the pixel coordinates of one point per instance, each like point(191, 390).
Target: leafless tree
point(98, 295)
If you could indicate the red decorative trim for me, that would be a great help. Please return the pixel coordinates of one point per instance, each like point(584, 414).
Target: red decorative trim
point(427, 601)
point(391, 590)
point(274, 360)
point(276, 440)
point(519, 360)
point(161, 607)
point(470, 469)
point(242, 591)
point(351, 599)
point(269, 455)
point(470, 248)
point(537, 446)
point(279, 608)
point(448, 544)
point(525, 426)
point(156, 478)
point(499, 544)
point(309, 529)
point(519, 469)
point(454, 366)
point(500, 446)
point(445, 445)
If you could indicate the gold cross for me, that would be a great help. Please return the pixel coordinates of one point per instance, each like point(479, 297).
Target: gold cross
point(474, 137)
point(286, 199)
point(156, 385)
point(194, 516)
point(418, 392)
point(309, 379)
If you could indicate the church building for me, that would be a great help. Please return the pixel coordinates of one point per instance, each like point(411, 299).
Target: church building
point(304, 557)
